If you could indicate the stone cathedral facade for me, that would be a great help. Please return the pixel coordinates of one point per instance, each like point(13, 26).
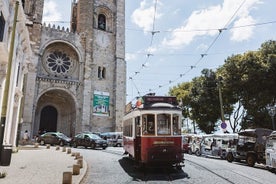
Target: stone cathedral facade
point(77, 77)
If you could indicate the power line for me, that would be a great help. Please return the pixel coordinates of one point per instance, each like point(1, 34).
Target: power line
point(204, 53)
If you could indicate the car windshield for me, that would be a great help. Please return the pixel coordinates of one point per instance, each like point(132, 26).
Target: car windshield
point(94, 136)
point(62, 135)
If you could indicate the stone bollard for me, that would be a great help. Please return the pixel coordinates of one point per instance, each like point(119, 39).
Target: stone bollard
point(36, 145)
point(63, 149)
point(57, 148)
point(80, 162)
point(76, 169)
point(48, 146)
point(69, 151)
point(73, 154)
point(77, 155)
point(67, 178)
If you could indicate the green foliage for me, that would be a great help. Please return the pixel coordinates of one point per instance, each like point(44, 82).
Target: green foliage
point(248, 86)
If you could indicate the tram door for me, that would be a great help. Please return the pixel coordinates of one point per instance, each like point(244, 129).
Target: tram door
point(137, 141)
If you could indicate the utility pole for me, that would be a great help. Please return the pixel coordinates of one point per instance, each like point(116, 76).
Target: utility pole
point(7, 83)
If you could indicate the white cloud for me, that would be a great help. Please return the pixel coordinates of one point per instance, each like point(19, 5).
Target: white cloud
point(130, 57)
point(144, 15)
point(243, 33)
point(51, 11)
point(211, 19)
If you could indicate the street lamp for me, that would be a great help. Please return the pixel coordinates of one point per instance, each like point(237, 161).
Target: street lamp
point(271, 112)
point(223, 124)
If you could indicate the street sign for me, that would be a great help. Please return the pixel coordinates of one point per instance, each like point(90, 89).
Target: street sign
point(223, 125)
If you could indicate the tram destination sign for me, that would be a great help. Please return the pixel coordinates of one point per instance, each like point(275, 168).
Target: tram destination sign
point(149, 100)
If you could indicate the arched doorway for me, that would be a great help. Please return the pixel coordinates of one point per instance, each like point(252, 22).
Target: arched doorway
point(56, 111)
point(48, 119)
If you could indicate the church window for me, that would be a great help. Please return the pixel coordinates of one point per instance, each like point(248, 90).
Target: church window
point(102, 22)
point(101, 72)
point(2, 26)
point(58, 62)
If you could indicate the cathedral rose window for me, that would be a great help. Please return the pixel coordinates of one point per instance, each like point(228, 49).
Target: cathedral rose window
point(59, 63)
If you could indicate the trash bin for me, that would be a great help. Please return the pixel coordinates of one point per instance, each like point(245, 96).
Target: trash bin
point(6, 153)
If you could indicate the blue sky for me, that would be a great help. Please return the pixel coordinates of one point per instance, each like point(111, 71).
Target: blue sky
point(171, 41)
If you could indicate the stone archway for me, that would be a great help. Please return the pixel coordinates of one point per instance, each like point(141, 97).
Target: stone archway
point(56, 111)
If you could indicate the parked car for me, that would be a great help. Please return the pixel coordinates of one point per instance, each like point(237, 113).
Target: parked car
point(54, 138)
point(89, 140)
point(113, 138)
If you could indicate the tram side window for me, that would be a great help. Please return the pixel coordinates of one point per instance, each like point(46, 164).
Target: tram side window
point(127, 131)
point(164, 124)
point(176, 127)
point(148, 124)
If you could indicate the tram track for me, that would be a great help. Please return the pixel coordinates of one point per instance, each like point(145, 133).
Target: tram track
point(220, 176)
point(148, 174)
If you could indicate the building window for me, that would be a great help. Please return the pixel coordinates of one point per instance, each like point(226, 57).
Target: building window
point(2, 26)
point(101, 22)
point(101, 72)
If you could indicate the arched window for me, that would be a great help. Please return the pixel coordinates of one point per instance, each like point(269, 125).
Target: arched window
point(101, 22)
point(2, 26)
point(103, 73)
point(99, 72)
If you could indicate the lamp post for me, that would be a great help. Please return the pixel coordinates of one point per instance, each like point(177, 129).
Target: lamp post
point(271, 112)
point(223, 124)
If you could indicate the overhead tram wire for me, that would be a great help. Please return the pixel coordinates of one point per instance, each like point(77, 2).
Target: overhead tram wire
point(207, 50)
point(153, 32)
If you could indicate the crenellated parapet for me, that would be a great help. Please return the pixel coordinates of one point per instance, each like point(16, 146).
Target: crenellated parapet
point(53, 27)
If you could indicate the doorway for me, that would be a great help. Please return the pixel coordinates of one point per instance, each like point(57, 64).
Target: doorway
point(48, 119)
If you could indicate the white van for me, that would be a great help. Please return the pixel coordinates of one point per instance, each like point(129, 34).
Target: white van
point(113, 138)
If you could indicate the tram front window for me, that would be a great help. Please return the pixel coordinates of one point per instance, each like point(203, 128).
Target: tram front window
point(148, 124)
point(163, 124)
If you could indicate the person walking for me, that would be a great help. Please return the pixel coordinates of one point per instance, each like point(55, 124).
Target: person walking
point(25, 137)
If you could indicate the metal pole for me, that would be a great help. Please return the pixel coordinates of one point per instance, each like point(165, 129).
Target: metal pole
point(221, 103)
point(7, 83)
point(271, 112)
point(273, 126)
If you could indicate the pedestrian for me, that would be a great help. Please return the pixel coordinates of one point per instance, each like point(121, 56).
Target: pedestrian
point(25, 137)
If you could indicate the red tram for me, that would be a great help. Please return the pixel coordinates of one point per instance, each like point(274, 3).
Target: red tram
point(152, 132)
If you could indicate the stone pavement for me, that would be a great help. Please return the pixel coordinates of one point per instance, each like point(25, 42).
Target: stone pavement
point(31, 165)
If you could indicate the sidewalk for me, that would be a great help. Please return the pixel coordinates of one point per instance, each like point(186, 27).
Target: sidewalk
point(40, 165)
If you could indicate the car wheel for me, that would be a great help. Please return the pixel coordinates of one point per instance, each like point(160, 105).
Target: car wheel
point(75, 145)
point(104, 148)
point(93, 146)
point(250, 160)
point(197, 153)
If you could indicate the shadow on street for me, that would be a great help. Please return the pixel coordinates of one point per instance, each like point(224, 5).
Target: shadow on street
point(150, 173)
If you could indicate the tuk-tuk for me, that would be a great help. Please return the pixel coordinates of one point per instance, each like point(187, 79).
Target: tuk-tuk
point(250, 147)
point(217, 145)
point(270, 151)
